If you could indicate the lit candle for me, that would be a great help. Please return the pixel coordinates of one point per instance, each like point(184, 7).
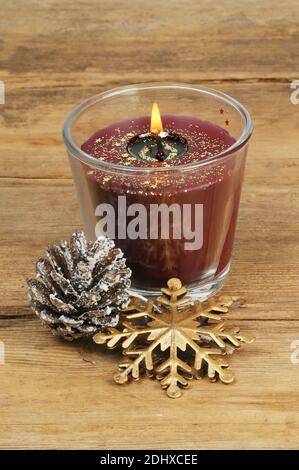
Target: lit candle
point(179, 161)
point(157, 144)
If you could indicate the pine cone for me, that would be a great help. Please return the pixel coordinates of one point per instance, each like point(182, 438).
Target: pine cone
point(81, 286)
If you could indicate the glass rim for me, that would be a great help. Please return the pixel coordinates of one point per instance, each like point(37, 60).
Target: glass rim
point(77, 152)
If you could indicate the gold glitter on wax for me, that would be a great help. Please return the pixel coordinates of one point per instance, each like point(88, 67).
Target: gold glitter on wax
point(201, 146)
point(114, 148)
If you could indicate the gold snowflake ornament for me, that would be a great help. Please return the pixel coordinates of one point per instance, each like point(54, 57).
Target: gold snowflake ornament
point(175, 339)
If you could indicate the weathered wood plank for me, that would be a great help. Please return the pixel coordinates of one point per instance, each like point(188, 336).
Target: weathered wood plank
point(32, 119)
point(62, 395)
point(149, 37)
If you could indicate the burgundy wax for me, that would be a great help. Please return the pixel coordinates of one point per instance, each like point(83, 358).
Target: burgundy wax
point(217, 186)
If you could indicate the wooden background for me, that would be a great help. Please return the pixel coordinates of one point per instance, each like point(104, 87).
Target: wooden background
point(53, 54)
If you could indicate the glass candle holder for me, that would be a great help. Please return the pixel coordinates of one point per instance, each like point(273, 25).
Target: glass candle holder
point(167, 193)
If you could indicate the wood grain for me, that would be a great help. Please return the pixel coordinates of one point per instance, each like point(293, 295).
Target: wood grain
point(53, 55)
point(170, 37)
point(63, 396)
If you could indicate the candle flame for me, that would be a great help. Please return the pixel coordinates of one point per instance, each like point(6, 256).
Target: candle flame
point(156, 121)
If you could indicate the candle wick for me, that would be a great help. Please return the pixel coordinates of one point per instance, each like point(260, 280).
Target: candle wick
point(160, 156)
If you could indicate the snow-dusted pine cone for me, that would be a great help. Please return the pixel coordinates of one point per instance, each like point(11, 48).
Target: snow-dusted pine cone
point(80, 287)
